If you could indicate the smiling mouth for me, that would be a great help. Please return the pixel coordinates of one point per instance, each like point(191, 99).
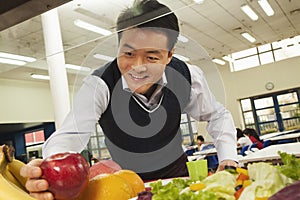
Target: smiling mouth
point(136, 77)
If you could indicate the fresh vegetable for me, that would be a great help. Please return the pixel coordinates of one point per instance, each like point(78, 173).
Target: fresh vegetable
point(290, 192)
point(145, 195)
point(291, 165)
point(218, 186)
point(178, 189)
point(240, 170)
point(261, 181)
point(266, 181)
point(238, 193)
point(197, 186)
point(230, 169)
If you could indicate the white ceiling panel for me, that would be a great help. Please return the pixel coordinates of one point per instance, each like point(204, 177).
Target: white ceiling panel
point(214, 25)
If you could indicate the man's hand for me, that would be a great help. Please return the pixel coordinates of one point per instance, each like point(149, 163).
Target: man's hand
point(226, 163)
point(35, 185)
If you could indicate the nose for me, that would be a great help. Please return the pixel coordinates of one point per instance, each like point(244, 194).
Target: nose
point(139, 68)
point(139, 65)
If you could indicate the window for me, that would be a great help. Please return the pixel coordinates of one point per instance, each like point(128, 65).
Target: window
point(272, 112)
point(188, 127)
point(97, 145)
point(264, 54)
point(36, 137)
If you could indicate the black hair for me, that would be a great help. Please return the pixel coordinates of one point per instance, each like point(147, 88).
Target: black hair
point(150, 14)
point(239, 133)
point(200, 137)
point(251, 132)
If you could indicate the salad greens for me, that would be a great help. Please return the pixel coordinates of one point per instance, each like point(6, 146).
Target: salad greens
point(219, 186)
point(291, 165)
point(267, 180)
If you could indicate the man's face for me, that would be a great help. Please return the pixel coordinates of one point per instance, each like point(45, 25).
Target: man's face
point(142, 58)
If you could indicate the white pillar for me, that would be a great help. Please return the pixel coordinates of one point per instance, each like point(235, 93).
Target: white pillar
point(56, 65)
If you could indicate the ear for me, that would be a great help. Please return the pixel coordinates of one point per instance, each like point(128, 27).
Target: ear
point(170, 55)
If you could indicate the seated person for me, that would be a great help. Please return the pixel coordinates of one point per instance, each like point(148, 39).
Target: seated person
point(212, 161)
point(253, 136)
point(202, 145)
point(242, 140)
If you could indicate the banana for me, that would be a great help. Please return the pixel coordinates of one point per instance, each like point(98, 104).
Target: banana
point(12, 178)
point(10, 191)
point(14, 167)
point(10, 169)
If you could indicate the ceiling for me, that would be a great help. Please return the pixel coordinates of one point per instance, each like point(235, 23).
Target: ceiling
point(215, 24)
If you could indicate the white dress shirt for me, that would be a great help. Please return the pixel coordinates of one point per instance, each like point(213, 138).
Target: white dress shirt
point(92, 100)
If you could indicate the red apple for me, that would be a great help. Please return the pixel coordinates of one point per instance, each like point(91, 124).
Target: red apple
point(67, 174)
point(104, 167)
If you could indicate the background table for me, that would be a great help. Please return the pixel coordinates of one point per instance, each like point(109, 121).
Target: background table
point(271, 135)
point(286, 137)
point(270, 153)
point(207, 152)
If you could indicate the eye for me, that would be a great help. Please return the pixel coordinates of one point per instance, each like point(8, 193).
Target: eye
point(152, 58)
point(128, 53)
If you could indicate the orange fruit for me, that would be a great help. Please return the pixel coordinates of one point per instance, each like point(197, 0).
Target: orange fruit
point(107, 187)
point(133, 179)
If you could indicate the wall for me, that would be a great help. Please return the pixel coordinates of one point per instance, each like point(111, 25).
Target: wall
point(25, 101)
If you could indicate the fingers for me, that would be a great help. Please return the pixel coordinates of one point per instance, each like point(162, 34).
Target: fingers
point(32, 169)
point(226, 163)
point(36, 185)
point(42, 196)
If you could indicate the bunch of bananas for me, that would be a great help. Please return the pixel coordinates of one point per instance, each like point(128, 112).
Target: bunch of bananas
point(12, 184)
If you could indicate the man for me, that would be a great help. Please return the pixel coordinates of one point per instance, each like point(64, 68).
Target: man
point(138, 99)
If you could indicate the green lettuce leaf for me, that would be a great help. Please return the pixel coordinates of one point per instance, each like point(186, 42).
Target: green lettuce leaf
point(267, 180)
point(291, 166)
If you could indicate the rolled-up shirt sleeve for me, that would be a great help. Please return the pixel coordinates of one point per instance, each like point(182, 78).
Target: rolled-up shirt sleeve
point(88, 105)
point(204, 107)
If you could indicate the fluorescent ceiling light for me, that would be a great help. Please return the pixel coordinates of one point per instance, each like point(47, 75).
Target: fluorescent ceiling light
point(199, 1)
point(227, 58)
point(17, 57)
point(264, 4)
point(249, 37)
point(92, 27)
point(103, 57)
point(39, 76)
point(12, 62)
point(183, 58)
point(76, 67)
point(248, 11)
point(181, 38)
point(218, 61)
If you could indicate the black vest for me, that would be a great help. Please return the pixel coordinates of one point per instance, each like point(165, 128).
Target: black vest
point(130, 127)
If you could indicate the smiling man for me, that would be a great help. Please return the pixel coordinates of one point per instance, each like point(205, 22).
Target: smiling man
point(138, 99)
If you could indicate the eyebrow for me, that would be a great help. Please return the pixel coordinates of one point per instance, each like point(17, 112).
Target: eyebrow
point(150, 51)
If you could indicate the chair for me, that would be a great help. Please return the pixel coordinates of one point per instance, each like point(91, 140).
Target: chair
point(212, 162)
point(267, 143)
point(244, 149)
point(253, 147)
point(190, 152)
point(286, 141)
